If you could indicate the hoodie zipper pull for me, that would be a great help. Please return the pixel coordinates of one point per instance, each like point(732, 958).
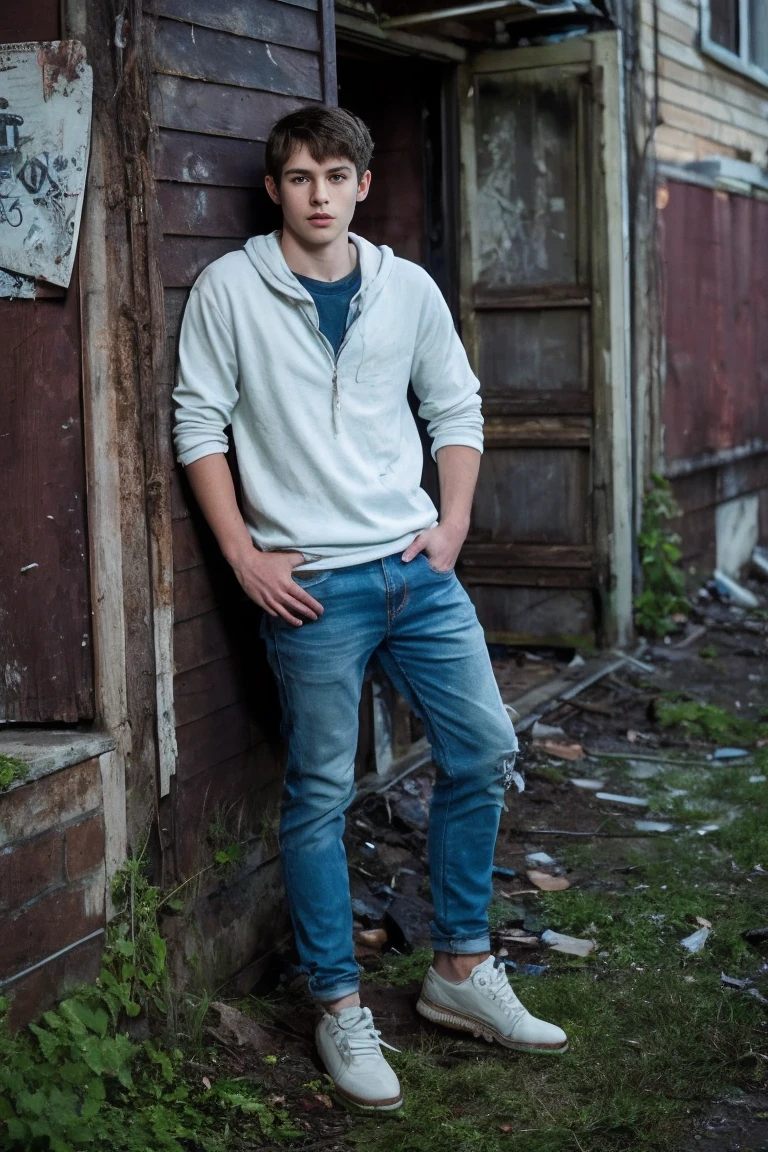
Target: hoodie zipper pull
point(336, 401)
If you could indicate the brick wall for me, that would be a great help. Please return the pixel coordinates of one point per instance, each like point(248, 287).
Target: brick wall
point(52, 887)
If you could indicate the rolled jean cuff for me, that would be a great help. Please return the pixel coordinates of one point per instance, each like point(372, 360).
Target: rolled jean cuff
point(461, 945)
point(337, 992)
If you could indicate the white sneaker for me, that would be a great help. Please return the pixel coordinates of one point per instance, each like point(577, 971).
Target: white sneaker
point(350, 1047)
point(485, 1005)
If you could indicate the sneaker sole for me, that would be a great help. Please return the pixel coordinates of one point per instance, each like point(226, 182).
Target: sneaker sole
point(450, 1018)
point(365, 1105)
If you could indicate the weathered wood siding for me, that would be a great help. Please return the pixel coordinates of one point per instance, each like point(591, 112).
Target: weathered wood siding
point(223, 75)
point(715, 402)
point(705, 108)
point(45, 646)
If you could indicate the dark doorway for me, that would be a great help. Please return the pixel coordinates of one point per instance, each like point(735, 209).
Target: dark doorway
point(408, 103)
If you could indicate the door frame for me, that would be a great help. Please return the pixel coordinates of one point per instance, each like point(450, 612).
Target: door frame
point(611, 487)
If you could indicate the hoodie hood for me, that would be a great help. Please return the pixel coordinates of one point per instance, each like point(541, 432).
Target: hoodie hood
point(266, 255)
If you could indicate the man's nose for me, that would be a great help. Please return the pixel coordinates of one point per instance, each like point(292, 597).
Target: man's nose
point(320, 194)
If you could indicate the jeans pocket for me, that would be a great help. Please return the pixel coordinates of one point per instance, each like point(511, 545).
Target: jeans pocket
point(437, 571)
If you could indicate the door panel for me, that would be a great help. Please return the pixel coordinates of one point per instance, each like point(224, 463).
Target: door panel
point(536, 315)
point(528, 179)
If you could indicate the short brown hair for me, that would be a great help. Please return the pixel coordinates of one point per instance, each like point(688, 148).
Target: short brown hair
point(327, 133)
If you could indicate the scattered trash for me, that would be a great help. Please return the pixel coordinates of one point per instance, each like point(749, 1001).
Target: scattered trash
point(547, 732)
point(644, 769)
point(374, 938)
point(513, 713)
point(409, 917)
point(635, 662)
point(756, 935)
point(236, 1030)
point(760, 562)
point(412, 811)
point(518, 936)
point(729, 754)
point(588, 785)
point(615, 798)
point(571, 945)
point(541, 858)
point(587, 706)
point(730, 590)
point(577, 661)
point(504, 873)
point(707, 828)
point(653, 826)
point(697, 632)
point(757, 779)
point(548, 883)
point(757, 995)
point(527, 969)
point(561, 751)
point(735, 981)
point(696, 941)
point(702, 922)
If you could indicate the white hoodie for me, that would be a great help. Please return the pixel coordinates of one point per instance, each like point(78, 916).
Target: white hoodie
point(328, 451)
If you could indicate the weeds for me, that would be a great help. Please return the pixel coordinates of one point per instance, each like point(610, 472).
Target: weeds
point(79, 1079)
point(663, 594)
point(706, 721)
point(11, 770)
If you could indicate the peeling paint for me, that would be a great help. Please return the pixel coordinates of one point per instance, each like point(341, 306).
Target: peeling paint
point(45, 116)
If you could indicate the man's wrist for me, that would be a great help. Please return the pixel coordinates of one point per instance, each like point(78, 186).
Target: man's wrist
point(456, 525)
point(239, 553)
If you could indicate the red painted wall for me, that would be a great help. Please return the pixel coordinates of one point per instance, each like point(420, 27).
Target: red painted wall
point(714, 246)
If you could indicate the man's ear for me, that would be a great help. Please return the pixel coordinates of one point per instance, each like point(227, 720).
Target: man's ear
point(363, 184)
point(272, 189)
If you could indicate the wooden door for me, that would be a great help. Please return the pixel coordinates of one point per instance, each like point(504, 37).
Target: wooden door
point(544, 317)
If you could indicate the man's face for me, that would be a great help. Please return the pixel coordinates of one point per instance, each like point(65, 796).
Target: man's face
point(318, 199)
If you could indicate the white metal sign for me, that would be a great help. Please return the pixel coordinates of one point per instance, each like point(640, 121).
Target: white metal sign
point(45, 128)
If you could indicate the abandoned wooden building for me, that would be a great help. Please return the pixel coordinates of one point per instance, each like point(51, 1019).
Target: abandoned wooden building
point(585, 180)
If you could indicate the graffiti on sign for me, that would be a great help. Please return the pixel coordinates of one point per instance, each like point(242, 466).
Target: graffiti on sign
point(45, 125)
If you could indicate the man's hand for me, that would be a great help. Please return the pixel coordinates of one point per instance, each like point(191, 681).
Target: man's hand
point(442, 545)
point(267, 578)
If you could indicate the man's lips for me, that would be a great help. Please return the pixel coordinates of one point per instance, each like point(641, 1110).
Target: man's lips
point(320, 218)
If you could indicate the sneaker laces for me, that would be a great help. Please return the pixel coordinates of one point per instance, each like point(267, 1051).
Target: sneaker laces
point(362, 1037)
point(499, 989)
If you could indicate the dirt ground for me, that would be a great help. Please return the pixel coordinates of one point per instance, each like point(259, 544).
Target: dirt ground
point(622, 737)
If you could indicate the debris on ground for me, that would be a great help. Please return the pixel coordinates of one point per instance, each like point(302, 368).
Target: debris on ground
point(602, 951)
point(696, 941)
point(617, 798)
point(548, 883)
point(227, 1025)
point(571, 945)
point(561, 751)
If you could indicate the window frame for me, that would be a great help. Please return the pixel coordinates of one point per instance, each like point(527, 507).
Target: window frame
point(739, 62)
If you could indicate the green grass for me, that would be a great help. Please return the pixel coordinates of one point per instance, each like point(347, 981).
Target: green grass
point(655, 1036)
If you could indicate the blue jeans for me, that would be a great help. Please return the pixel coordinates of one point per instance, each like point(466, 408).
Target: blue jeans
point(422, 627)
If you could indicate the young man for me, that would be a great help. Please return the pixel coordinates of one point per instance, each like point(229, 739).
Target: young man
point(305, 341)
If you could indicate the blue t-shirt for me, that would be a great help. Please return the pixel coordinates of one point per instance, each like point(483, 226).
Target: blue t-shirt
point(332, 301)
